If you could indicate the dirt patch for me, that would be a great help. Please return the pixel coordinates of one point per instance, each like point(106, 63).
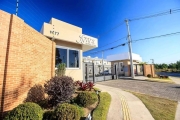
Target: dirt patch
point(90, 108)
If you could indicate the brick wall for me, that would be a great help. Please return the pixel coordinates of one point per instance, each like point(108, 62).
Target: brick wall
point(26, 59)
point(149, 69)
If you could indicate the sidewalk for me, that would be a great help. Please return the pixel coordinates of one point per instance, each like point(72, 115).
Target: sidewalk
point(175, 79)
point(124, 105)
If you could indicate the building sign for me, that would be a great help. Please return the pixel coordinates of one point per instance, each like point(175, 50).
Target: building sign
point(84, 39)
point(54, 32)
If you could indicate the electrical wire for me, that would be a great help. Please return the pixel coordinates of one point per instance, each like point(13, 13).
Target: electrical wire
point(109, 43)
point(171, 11)
point(157, 36)
point(104, 33)
point(123, 44)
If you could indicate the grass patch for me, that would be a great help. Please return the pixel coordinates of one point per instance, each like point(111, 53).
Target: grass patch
point(168, 80)
point(100, 113)
point(160, 109)
point(96, 89)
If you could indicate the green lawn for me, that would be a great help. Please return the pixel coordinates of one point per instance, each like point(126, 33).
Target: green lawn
point(168, 80)
point(160, 109)
point(100, 113)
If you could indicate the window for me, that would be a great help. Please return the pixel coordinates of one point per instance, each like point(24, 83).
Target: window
point(61, 56)
point(73, 59)
point(68, 56)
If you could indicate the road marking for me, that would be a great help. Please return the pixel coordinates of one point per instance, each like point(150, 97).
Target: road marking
point(125, 108)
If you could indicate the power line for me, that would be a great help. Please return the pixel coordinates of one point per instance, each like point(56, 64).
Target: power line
point(102, 34)
point(171, 11)
point(111, 42)
point(109, 48)
point(123, 44)
point(157, 36)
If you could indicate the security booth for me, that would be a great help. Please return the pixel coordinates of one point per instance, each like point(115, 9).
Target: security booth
point(70, 45)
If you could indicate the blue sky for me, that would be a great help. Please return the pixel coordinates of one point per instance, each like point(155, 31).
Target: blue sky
point(99, 16)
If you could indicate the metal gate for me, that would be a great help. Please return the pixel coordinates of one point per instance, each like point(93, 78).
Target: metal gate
point(96, 73)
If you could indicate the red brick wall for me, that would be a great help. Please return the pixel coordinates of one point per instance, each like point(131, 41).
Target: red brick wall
point(30, 60)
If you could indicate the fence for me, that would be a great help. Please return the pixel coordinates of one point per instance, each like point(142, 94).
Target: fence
point(96, 73)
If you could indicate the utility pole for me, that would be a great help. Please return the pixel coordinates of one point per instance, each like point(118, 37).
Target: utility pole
point(130, 49)
point(17, 7)
point(102, 56)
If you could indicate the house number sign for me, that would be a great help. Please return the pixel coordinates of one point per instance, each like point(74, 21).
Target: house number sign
point(54, 32)
point(86, 40)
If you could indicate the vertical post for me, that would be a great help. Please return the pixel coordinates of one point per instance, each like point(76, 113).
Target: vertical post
point(102, 56)
point(130, 49)
point(87, 74)
point(117, 72)
point(93, 72)
point(103, 64)
point(84, 71)
point(17, 7)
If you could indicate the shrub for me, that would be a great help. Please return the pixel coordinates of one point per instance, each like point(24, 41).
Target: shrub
point(86, 98)
point(149, 75)
point(26, 111)
point(36, 94)
point(66, 111)
point(61, 69)
point(166, 76)
point(84, 86)
point(59, 89)
point(48, 115)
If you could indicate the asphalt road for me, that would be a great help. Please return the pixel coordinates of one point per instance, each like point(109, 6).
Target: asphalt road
point(168, 74)
point(164, 90)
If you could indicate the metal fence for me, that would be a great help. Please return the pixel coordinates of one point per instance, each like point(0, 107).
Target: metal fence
point(96, 73)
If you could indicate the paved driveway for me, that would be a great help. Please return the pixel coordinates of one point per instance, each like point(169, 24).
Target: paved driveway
point(163, 90)
point(169, 74)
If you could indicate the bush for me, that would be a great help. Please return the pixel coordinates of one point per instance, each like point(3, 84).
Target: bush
point(26, 111)
point(36, 94)
point(48, 115)
point(61, 69)
point(149, 75)
point(86, 98)
point(59, 89)
point(84, 86)
point(66, 111)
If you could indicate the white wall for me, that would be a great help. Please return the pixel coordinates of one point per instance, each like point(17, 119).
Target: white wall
point(123, 56)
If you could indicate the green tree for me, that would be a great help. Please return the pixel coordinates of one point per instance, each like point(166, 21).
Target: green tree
point(172, 66)
point(178, 65)
point(164, 66)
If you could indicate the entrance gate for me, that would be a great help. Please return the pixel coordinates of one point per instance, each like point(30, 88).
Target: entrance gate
point(96, 73)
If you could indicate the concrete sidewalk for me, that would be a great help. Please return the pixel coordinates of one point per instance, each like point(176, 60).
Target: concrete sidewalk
point(124, 105)
point(175, 79)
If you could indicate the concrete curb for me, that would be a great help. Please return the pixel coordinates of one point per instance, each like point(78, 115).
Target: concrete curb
point(177, 117)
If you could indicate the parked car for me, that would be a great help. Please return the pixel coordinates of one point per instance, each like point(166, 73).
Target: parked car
point(106, 72)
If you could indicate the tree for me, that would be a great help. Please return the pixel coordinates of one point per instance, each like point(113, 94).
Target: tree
point(164, 66)
point(172, 66)
point(178, 65)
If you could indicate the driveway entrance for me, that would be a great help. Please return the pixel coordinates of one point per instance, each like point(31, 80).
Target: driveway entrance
point(163, 90)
